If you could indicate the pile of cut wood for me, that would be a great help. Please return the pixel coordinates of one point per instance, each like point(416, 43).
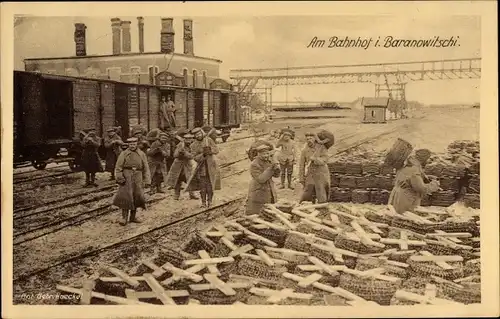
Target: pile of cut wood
point(324, 254)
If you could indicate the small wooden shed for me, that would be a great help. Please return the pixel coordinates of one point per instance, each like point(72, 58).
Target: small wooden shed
point(375, 109)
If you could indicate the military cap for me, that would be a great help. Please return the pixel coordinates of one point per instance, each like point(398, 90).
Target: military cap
point(310, 134)
point(287, 132)
point(422, 155)
point(196, 130)
point(111, 129)
point(163, 135)
point(132, 140)
point(262, 148)
point(188, 135)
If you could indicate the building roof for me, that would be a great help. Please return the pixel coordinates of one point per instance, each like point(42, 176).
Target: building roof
point(131, 54)
point(375, 101)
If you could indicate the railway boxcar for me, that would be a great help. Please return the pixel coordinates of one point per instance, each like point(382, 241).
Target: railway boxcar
point(50, 111)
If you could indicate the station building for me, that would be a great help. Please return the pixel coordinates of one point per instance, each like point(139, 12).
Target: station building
point(186, 69)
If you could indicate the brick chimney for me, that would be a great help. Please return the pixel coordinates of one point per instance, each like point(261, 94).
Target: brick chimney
point(80, 41)
point(188, 37)
point(126, 37)
point(140, 25)
point(117, 38)
point(167, 35)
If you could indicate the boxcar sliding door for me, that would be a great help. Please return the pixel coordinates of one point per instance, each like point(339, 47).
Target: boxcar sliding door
point(121, 108)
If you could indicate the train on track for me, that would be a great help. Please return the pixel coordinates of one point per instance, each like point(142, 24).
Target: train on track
point(51, 110)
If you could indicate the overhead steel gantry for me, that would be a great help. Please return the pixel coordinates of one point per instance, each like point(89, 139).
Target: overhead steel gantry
point(390, 77)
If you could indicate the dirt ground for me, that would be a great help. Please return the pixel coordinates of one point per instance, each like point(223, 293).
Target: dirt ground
point(433, 128)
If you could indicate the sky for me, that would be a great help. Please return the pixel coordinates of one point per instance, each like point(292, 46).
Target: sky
point(278, 41)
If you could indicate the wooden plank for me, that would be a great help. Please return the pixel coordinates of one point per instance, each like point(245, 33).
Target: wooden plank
point(126, 278)
point(241, 250)
point(253, 280)
point(212, 268)
point(404, 240)
point(437, 258)
point(158, 289)
point(326, 268)
point(417, 218)
point(183, 273)
point(254, 235)
point(131, 294)
point(281, 217)
point(222, 286)
point(208, 261)
point(336, 250)
point(118, 279)
point(264, 257)
point(440, 263)
point(305, 216)
point(266, 223)
point(286, 251)
point(312, 278)
point(88, 286)
point(258, 258)
point(157, 271)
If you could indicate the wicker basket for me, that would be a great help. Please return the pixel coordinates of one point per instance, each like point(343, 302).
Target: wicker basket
point(360, 196)
point(329, 280)
point(454, 170)
point(398, 153)
point(426, 201)
point(435, 169)
point(216, 297)
point(370, 168)
point(369, 288)
point(383, 218)
point(424, 269)
point(401, 256)
point(354, 168)
point(335, 180)
point(248, 241)
point(347, 181)
point(472, 200)
point(341, 195)
point(367, 181)
point(337, 167)
point(226, 269)
point(460, 226)
point(295, 242)
point(450, 183)
point(199, 242)
point(308, 229)
point(258, 269)
point(379, 197)
point(406, 223)
point(443, 198)
point(386, 170)
point(391, 270)
point(277, 236)
point(343, 242)
point(293, 260)
point(472, 267)
point(385, 182)
point(464, 293)
point(445, 250)
point(416, 285)
point(285, 207)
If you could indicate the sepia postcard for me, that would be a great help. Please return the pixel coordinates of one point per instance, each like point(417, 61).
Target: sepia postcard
point(249, 160)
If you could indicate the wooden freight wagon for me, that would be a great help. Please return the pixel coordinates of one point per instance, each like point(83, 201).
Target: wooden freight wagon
point(51, 110)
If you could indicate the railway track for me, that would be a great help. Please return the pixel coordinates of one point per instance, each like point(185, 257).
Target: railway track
point(165, 226)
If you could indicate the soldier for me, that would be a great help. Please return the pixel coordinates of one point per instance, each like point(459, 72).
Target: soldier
point(206, 176)
point(132, 174)
point(157, 154)
point(183, 165)
point(112, 143)
point(410, 184)
point(316, 177)
point(261, 190)
point(142, 142)
point(91, 162)
point(286, 156)
point(167, 113)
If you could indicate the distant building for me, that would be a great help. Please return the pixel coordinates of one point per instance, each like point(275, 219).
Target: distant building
point(134, 67)
point(375, 109)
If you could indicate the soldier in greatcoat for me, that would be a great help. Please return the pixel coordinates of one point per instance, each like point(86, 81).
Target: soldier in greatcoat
point(206, 177)
point(142, 141)
point(112, 143)
point(167, 113)
point(261, 190)
point(157, 155)
point(313, 171)
point(132, 174)
point(91, 162)
point(411, 183)
point(183, 165)
point(286, 156)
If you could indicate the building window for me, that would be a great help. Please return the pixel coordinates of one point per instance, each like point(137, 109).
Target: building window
point(373, 113)
point(153, 71)
point(135, 74)
point(185, 76)
point(114, 74)
point(204, 79)
point(195, 78)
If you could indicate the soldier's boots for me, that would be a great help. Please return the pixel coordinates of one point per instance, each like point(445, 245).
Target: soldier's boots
point(92, 180)
point(282, 181)
point(134, 218)
point(290, 182)
point(209, 200)
point(160, 190)
point(124, 219)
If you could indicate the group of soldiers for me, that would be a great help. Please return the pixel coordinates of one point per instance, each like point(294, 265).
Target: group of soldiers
point(169, 158)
